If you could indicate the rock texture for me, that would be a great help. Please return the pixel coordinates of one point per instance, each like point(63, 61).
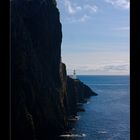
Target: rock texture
point(78, 93)
point(42, 96)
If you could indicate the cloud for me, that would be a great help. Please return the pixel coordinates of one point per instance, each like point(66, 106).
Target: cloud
point(125, 4)
point(108, 68)
point(97, 62)
point(83, 18)
point(73, 11)
point(91, 8)
point(71, 8)
point(126, 28)
point(120, 69)
point(115, 68)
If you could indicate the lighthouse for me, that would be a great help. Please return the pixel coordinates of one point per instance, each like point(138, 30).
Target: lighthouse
point(74, 74)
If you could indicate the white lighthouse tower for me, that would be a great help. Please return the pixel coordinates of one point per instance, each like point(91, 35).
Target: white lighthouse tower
point(74, 74)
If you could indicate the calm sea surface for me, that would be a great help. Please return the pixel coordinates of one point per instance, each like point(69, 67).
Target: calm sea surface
point(107, 115)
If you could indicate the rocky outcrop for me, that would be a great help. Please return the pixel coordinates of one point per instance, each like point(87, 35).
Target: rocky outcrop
point(78, 93)
point(41, 92)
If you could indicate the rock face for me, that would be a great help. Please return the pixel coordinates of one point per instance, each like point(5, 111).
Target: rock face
point(42, 96)
point(78, 93)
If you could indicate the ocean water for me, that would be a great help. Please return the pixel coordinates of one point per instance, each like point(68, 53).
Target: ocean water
point(107, 116)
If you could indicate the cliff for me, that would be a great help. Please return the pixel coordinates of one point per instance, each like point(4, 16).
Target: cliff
point(42, 95)
point(77, 93)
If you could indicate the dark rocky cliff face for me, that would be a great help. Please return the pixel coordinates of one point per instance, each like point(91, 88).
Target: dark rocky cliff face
point(41, 93)
point(77, 93)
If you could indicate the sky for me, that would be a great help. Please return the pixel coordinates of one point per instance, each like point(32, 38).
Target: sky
point(95, 36)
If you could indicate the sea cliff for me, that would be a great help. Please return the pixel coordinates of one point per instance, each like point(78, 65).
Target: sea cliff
point(42, 95)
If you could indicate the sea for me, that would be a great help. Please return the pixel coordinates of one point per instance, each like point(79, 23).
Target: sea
point(107, 115)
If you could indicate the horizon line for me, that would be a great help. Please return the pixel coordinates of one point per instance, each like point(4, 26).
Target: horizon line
point(101, 74)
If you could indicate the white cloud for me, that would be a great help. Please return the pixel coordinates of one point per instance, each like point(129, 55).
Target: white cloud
point(109, 69)
point(126, 28)
point(97, 63)
point(91, 8)
point(73, 11)
point(71, 8)
point(125, 4)
point(115, 68)
point(84, 18)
